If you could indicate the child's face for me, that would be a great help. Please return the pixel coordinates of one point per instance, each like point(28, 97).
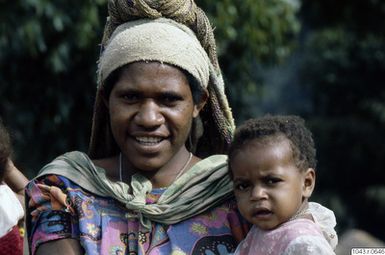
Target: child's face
point(268, 186)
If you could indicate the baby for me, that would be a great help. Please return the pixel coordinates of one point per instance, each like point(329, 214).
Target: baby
point(272, 163)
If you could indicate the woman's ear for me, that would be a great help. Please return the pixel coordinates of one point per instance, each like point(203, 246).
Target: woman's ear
point(199, 106)
point(308, 182)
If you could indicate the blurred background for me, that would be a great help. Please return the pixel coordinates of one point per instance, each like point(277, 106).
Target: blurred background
point(321, 59)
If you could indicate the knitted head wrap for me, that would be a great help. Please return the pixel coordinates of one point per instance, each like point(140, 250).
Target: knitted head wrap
point(161, 40)
point(128, 17)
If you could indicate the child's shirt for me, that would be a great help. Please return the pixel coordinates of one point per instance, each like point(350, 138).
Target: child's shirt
point(296, 237)
point(11, 210)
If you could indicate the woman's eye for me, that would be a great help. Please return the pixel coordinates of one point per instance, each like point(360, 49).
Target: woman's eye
point(170, 99)
point(130, 97)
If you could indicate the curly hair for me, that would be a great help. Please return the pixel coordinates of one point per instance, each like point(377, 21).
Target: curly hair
point(5, 148)
point(272, 127)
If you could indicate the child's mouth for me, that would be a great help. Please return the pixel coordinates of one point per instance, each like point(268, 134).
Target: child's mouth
point(262, 213)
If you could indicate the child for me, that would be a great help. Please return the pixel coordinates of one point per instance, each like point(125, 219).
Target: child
point(272, 163)
point(11, 210)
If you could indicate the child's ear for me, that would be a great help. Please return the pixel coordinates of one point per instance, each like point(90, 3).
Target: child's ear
point(308, 182)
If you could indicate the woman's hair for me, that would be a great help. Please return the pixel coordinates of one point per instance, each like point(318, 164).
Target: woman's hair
point(5, 149)
point(273, 127)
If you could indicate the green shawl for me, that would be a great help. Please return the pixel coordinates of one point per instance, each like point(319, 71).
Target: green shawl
point(202, 187)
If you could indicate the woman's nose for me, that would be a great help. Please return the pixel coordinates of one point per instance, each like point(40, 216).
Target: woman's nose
point(258, 193)
point(149, 115)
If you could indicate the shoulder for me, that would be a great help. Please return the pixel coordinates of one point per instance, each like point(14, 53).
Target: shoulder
point(280, 238)
point(299, 227)
point(61, 172)
point(214, 161)
point(80, 169)
point(214, 166)
point(309, 245)
point(298, 237)
point(303, 236)
point(325, 219)
point(64, 162)
point(208, 172)
point(75, 166)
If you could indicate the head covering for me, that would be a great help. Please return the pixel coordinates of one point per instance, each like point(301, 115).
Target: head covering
point(193, 51)
point(161, 40)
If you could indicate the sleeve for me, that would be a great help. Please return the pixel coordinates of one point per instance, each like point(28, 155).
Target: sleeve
point(309, 245)
point(49, 215)
point(326, 220)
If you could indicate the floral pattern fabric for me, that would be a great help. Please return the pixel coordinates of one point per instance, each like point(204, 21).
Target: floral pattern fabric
point(58, 208)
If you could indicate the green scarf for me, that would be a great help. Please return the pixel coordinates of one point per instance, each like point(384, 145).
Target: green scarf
point(204, 186)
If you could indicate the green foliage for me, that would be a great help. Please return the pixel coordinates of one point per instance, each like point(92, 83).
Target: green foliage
point(48, 54)
point(250, 34)
point(261, 30)
point(343, 68)
point(48, 51)
point(354, 15)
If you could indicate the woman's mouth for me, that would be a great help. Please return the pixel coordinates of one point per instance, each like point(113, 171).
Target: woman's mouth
point(148, 140)
point(149, 144)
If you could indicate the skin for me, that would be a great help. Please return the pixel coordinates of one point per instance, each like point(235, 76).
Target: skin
point(15, 180)
point(268, 185)
point(151, 110)
point(64, 246)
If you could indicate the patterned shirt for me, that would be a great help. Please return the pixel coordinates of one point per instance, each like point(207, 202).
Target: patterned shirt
point(105, 226)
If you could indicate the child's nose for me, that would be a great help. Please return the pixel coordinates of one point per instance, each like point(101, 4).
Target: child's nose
point(258, 193)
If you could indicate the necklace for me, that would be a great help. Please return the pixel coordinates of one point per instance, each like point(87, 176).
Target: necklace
point(182, 170)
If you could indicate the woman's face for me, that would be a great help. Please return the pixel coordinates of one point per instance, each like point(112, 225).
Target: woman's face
point(151, 110)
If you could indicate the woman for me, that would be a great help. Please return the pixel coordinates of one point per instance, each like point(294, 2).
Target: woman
point(144, 187)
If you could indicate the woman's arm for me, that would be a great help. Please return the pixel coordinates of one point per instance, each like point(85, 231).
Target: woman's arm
point(52, 225)
point(61, 247)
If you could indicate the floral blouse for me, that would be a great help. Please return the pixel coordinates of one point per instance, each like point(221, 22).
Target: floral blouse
point(62, 209)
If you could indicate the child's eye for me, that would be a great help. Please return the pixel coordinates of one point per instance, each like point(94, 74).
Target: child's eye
point(241, 186)
point(272, 180)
